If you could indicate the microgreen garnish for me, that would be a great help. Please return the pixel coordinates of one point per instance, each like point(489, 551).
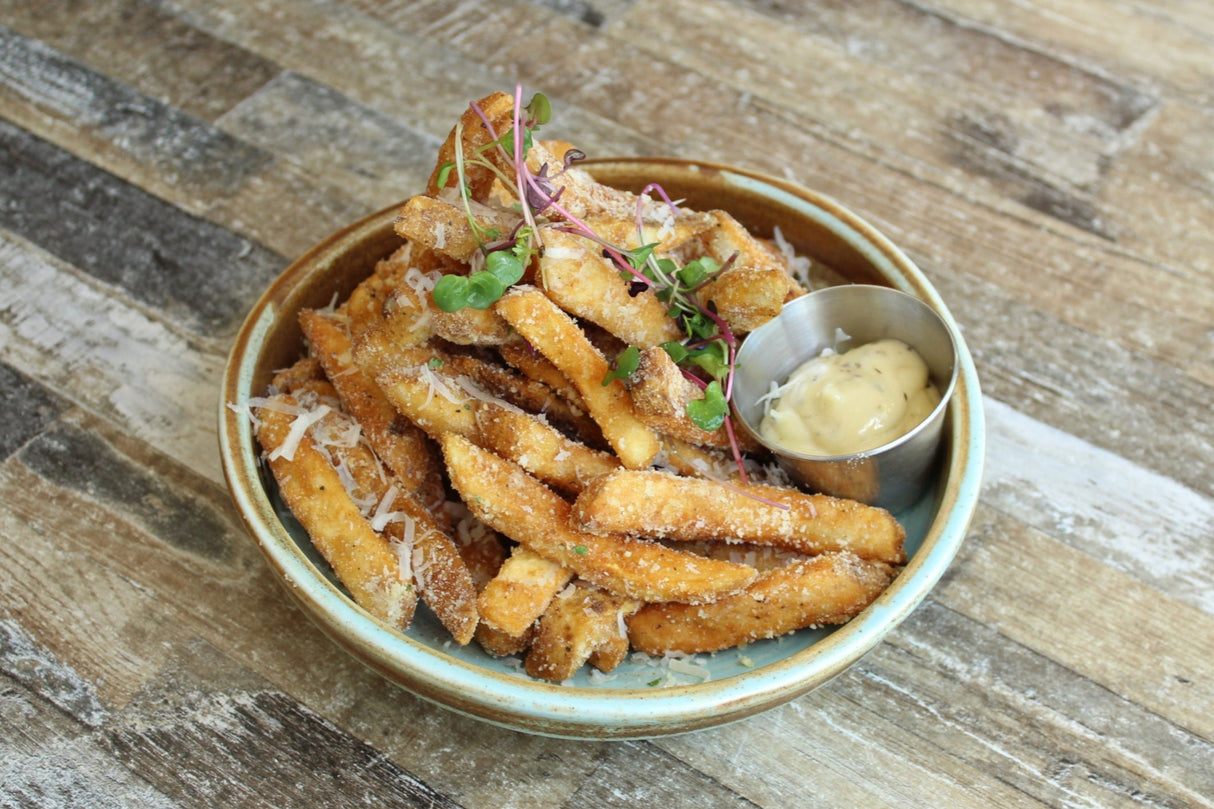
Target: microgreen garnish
point(624, 365)
point(707, 353)
point(709, 413)
point(481, 289)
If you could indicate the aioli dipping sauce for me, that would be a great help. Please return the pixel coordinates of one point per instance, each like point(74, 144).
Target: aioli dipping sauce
point(840, 404)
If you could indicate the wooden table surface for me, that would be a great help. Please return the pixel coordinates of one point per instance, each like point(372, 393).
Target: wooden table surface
point(1048, 165)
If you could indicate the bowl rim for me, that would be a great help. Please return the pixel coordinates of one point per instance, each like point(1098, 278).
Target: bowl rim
point(577, 712)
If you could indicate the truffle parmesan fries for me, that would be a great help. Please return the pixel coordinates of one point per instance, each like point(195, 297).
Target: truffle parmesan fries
point(521, 418)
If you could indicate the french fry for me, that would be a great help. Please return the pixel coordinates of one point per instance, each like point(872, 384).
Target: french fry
point(557, 337)
point(517, 505)
point(672, 232)
point(305, 370)
point(658, 504)
point(520, 592)
point(753, 289)
point(542, 450)
point(519, 355)
point(661, 393)
point(589, 286)
point(827, 589)
point(470, 327)
point(362, 559)
point(442, 578)
point(580, 621)
point(497, 109)
point(402, 446)
point(441, 226)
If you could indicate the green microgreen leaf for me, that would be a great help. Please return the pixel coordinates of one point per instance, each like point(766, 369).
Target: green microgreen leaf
point(539, 109)
point(484, 288)
point(444, 171)
point(581, 550)
point(709, 413)
point(713, 357)
point(676, 350)
point(695, 272)
point(625, 364)
point(505, 266)
point(435, 363)
point(451, 293)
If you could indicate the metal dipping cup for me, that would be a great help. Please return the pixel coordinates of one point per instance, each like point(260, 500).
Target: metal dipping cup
point(894, 475)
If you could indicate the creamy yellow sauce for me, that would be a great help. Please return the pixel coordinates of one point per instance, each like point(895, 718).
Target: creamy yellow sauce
point(839, 404)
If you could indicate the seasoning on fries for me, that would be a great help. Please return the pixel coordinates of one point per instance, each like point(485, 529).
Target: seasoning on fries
point(522, 418)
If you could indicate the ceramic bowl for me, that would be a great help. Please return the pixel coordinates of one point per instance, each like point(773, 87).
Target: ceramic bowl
point(643, 697)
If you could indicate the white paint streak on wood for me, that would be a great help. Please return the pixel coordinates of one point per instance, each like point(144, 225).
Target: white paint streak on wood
point(111, 357)
point(1124, 515)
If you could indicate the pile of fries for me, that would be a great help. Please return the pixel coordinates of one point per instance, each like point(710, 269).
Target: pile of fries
point(494, 461)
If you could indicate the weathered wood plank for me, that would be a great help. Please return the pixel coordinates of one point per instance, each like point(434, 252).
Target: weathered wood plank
point(1127, 38)
point(639, 774)
point(200, 275)
point(372, 157)
point(48, 761)
point(917, 85)
point(400, 71)
point(1136, 521)
point(22, 659)
point(1084, 384)
point(945, 701)
point(138, 44)
point(830, 749)
point(71, 335)
point(166, 152)
point(210, 742)
point(28, 409)
point(161, 137)
point(1092, 619)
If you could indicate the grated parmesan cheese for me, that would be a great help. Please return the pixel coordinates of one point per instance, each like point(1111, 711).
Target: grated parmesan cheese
point(299, 428)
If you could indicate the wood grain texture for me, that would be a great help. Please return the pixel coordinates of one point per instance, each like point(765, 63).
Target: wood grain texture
point(1049, 166)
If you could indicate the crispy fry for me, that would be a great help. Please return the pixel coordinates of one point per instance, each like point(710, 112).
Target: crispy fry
point(658, 504)
point(512, 502)
point(497, 109)
point(542, 450)
point(827, 589)
point(579, 621)
point(442, 578)
point(557, 337)
point(441, 226)
point(574, 274)
point(695, 461)
point(362, 559)
point(661, 394)
point(519, 355)
point(671, 232)
point(521, 591)
point(470, 327)
point(305, 370)
point(753, 289)
point(402, 446)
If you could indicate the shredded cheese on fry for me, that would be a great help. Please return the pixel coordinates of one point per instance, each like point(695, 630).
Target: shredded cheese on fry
point(299, 428)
